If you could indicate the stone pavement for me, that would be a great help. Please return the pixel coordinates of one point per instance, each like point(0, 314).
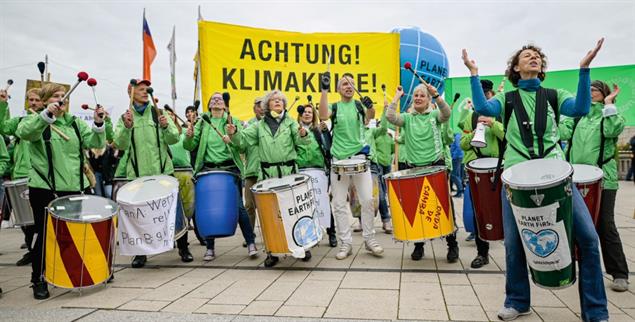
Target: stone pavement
point(234, 287)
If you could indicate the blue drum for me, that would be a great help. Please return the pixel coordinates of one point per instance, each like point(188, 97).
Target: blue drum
point(216, 203)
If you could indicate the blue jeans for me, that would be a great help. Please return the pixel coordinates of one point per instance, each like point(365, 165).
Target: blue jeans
point(380, 171)
point(590, 282)
point(457, 175)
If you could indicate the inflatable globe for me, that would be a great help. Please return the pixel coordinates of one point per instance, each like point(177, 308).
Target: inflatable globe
point(427, 57)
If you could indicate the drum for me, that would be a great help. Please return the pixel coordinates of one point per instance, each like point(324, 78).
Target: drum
point(350, 166)
point(588, 179)
point(18, 193)
point(539, 192)
point(419, 201)
point(80, 241)
point(320, 184)
point(147, 215)
point(117, 183)
point(486, 198)
point(216, 207)
point(186, 189)
point(287, 211)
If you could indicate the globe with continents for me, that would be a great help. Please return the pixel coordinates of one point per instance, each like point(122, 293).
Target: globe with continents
point(542, 243)
point(305, 231)
point(427, 58)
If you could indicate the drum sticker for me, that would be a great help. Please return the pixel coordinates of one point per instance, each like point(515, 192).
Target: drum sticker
point(302, 229)
point(544, 239)
point(148, 228)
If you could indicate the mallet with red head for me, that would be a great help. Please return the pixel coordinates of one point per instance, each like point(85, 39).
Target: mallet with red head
point(408, 66)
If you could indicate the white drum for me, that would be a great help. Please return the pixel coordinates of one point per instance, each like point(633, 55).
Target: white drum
point(147, 215)
point(320, 190)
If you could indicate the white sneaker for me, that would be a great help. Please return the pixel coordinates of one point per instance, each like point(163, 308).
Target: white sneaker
point(373, 246)
point(509, 313)
point(387, 227)
point(252, 250)
point(620, 285)
point(345, 251)
point(209, 255)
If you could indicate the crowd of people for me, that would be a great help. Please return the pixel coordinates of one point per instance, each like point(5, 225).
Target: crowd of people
point(148, 141)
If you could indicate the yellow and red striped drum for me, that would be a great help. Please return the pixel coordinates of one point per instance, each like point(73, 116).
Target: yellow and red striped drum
point(80, 241)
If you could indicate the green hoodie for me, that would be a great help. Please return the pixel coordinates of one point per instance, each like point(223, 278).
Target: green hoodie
point(252, 168)
point(586, 139)
point(5, 160)
point(381, 144)
point(21, 160)
point(65, 154)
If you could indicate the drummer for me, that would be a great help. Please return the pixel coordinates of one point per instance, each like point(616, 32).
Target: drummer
point(316, 154)
point(592, 141)
point(493, 133)
point(56, 164)
point(20, 157)
point(277, 137)
point(146, 136)
point(216, 152)
point(348, 121)
point(424, 142)
point(526, 70)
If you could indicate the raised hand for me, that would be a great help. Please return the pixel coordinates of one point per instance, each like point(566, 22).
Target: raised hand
point(586, 60)
point(469, 63)
point(99, 114)
point(3, 95)
point(230, 129)
point(302, 131)
point(432, 90)
point(190, 130)
point(128, 121)
point(610, 99)
point(163, 121)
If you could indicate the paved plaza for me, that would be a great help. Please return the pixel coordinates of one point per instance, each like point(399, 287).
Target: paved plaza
point(362, 287)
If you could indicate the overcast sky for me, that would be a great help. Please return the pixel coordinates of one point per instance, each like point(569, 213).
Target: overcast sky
point(104, 37)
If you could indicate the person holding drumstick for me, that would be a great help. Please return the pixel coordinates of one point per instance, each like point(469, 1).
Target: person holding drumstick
point(592, 141)
point(56, 164)
point(526, 70)
point(423, 138)
point(215, 151)
point(277, 137)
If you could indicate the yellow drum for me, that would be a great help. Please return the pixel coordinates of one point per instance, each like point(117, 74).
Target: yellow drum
point(288, 214)
point(420, 204)
point(80, 241)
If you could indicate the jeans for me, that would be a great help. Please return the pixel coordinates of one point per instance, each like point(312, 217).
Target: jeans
point(99, 185)
point(457, 175)
point(379, 171)
point(593, 301)
point(612, 251)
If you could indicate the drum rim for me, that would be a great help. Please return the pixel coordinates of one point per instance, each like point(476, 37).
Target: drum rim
point(312, 168)
point(307, 178)
point(14, 183)
point(344, 160)
point(590, 180)
point(435, 169)
point(52, 213)
point(547, 185)
point(81, 288)
point(183, 169)
point(482, 170)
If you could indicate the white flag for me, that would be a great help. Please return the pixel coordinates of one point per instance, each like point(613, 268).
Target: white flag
point(172, 49)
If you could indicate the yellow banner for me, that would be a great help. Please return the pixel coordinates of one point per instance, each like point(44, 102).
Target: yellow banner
point(249, 62)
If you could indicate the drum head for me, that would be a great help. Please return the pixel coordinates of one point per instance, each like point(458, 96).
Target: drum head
point(147, 188)
point(483, 164)
point(83, 208)
point(281, 183)
point(415, 172)
point(346, 162)
point(539, 173)
point(584, 173)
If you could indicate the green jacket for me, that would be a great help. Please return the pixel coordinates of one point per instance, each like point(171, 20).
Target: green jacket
point(310, 155)
point(21, 165)
point(381, 145)
point(585, 147)
point(492, 135)
point(211, 148)
point(65, 154)
point(180, 156)
point(5, 159)
point(280, 147)
point(252, 168)
point(447, 135)
point(145, 153)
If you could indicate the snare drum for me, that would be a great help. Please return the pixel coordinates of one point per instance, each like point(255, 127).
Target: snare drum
point(287, 212)
point(350, 166)
point(588, 179)
point(18, 193)
point(539, 192)
point(486, 198)
point(80, 241)
point(420, 203)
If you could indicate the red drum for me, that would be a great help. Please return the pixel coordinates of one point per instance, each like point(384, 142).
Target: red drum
point(588, 179)
point(486, 198)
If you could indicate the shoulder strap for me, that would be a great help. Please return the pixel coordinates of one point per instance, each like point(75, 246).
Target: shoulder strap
point(46, 135)
point(524, 125)
point(570, 143)
point(81, 154)
point(333, 116)
point(360, 111)
point(540, 119)
point(155, 118)
point(552, 98)
point(601, 161)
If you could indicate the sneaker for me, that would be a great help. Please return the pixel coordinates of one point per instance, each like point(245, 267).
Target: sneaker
point(252, 250)
point(25, 260)
point(357, 227)
point(453, 254)
point(40, 291)
point(332, 240)
point(307, 256)
point(509, 313)
point(417, 253)
point(345, 251)
point(209, 255)
point(387, 227)
point(186, 256)
point(470, 237)
point(271, 261)
point(620, 285)
point(139, 261)
point(479, 261)
point(373, 246)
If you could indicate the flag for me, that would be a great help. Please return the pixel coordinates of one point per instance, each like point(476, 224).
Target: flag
point(172, 49)
point(149, 51)
point(197, 65)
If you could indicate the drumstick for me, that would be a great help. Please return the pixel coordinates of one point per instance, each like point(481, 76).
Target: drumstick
point(54, 128)
point(206, 119)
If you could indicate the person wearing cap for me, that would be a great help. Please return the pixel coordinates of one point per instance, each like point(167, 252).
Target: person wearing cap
point(592, 140)
point(215, 151)
point(494, 133)
point(146, 138)
point(57, 165)
point(252, 166)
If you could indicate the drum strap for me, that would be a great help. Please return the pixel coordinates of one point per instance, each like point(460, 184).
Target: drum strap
point(81, 155)
point(46, 135)
point(135, 165)
point(266, 165)
point(323, 139)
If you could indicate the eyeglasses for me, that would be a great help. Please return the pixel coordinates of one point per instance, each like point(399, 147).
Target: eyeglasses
point(217, 99)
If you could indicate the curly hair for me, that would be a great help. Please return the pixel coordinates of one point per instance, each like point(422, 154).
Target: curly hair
point(268, 96)
point(513, 75)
